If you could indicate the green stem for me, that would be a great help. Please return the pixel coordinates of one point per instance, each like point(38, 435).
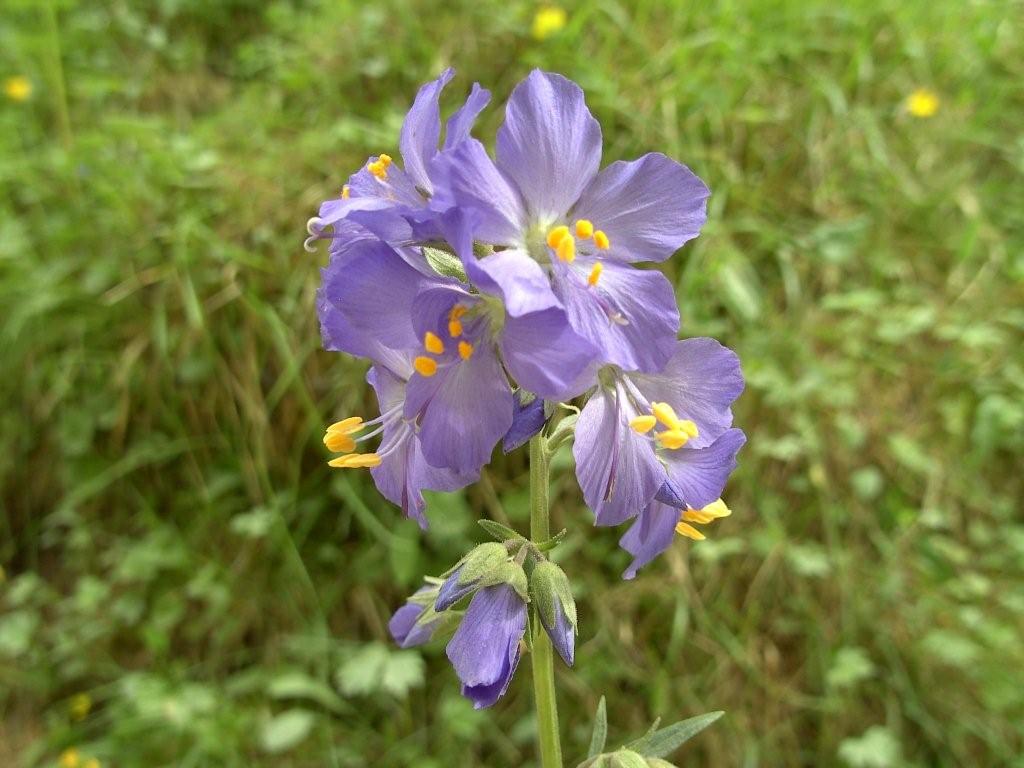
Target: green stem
point(543, 656)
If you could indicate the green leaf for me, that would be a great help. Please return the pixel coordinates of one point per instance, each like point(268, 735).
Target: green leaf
point(668, 740)
point(286, 730)
point(876, 748)
point(498, 531)
point(298, 685)
point(849, 667)
point(640, 744)
point(360, 673)
point(445, 263)
point(600, 734)
point(402, 672)
point(625, 758)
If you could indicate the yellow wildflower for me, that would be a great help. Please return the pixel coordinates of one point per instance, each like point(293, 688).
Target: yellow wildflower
point(547, 21)
point(69, 758)
point(80, 706)
point(923, 102)
point(17, 88)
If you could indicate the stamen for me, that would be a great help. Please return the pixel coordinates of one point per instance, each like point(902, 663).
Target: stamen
point(717, 509)
point(687, 530)
point(584, 229)
point(595, 273)
point(379, 167)
point(433, 344)
point(465, 350)
point(555, 236)
point(454, 324)
point(355, 461)
point(566, 249)
point(338, 442)
point(425, 366)
point(601, 240)
point(642, 424)
point(665, 414)
point(385, 159)
point(697, 516)
point(347, 426)
point(454, 328)
point(672, 439)
point(346, 193)
point(688, 427)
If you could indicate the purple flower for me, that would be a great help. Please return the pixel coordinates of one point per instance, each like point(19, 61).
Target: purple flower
point(485, 649)
point(656, 526)
point(551, 593)
point(527, 420)
point(390, 202)
point(544, 203)
point(666, 435)
point(406, 626)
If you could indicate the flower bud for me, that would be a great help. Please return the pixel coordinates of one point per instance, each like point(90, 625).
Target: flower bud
point(550, 591)
point(485, 565)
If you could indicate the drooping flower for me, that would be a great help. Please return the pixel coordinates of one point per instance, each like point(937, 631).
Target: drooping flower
point(415, 622)
point(484, 566)
point(542, 201)
point(656, 526)
point(556, 608)
point(666, 436)
point(485, 649)
point(387, 200)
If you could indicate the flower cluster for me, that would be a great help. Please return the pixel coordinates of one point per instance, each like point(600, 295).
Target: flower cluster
point(485, 291)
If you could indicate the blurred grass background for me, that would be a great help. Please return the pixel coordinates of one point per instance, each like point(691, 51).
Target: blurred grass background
point(184, 581)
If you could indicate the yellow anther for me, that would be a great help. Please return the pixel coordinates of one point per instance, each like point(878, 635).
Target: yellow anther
point(642, 424)
point(355, 461)
point(566, 249)
point(385, 160)
point(465, 350)
point(425, 366)
point(697, 516)
point(432, 342)
point(338, 442)
point(347, 426)
point(457, 311)
point(664, 413)
point(595, 273)
point(688, 427)
point(601, 240)
point(555, 235)
point(672, 439)
point(687, 530)
point(378, 168)
point(346, 193)
point(716, 509)
point(584, 229)
point(454, 328)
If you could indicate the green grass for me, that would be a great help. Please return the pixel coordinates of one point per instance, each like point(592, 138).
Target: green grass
point(174, 545)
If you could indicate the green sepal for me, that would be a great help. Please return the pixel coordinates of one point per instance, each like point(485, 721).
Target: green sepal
point(657, 762)
point(599, 736)
point(625, 758)
point(511, 573)
point(482, 560)
point(445, 263)
point(666, 741)
point(549, 587)
point(498, 531)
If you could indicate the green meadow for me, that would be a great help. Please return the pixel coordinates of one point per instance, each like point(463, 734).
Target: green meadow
point(186, 583)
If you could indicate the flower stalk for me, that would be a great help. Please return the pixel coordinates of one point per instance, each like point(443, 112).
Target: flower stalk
point(548, 740)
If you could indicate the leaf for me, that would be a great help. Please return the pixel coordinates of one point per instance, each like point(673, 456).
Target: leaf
point(286, 730)
point(360, 673)
point(626, 758)
point(876, 748)
point(498, 531)
point(298, 685)
point(402, 672)
point(600, 734)
point(667, 740)
point(445, 263)
point(640, 744)
point(849, 667)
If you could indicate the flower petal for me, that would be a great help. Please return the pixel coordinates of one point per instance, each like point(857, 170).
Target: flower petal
point(650, 535)
point(544, 354)
point(461, 122)
point(631, 315)
point(697, 476)
point(563, 635)
point(700, 381)
point(550, 144)
point(616, 467)
point(648, 207)
point(527, 421)
point(421, 130)
point(467, 177)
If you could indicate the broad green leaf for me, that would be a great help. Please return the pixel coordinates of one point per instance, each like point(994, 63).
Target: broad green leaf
point(286, 730)
point(876, 748)
point(298, 685)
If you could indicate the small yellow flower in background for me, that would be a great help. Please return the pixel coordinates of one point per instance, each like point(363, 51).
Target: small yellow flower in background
point(92, 762)
point(923, 102)
point(547, 21)
point(17, 88)
point(80, 706)
point(69, 758)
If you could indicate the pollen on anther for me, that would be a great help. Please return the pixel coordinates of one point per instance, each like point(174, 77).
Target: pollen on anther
point(643, 424)
point(665, 414)
point(555, 236)
point(385, 160)
point(339, 442)
point(454, 328)
point(432, 343)
point(566, 249)
point(595, 273)
point(584, 229)
point(356, 461)
point(425, 366)
point(601, 240)
point(465, 350)
point(687, 530)
point(346, 193)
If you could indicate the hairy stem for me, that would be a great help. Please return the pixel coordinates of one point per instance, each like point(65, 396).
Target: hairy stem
point(543, 656)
